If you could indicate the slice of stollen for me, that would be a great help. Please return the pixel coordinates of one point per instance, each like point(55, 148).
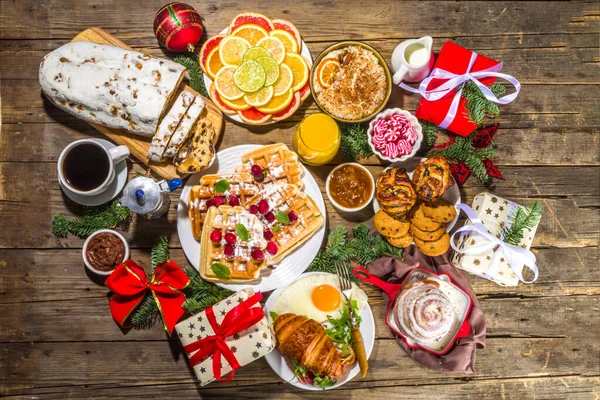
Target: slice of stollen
point(184, 129)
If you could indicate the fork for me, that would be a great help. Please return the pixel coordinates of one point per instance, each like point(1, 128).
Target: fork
point(357, 340)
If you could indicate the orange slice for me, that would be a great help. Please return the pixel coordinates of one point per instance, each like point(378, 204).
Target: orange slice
point(253, 116)
point(225, 84)
point(213, 63)
point(299, 69)
point(289, 41)
point(327, 71)
point(252, 33)
point(214, 96)
point(274, 46)
point(238, 105)
point(278, 103)
point(284, 82)
point(258, 98)
point(232, 50)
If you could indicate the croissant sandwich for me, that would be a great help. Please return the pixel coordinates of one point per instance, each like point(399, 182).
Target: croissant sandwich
point(395, 192)
point(432, 178)
point(305, 341)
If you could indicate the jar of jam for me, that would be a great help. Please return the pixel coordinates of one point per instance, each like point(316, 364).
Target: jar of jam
point(350, 187)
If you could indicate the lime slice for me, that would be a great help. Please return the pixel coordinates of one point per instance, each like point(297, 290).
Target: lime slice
point(250, 77)
point(254, 52)
point(271, 69)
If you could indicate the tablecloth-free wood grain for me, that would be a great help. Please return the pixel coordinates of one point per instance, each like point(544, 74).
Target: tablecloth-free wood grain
point(57, 339)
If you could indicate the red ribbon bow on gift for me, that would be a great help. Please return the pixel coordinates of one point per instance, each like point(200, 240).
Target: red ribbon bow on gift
point(241, 317)
point(130, 284)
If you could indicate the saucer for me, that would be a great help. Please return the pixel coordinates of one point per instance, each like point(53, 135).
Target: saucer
point(111, 191)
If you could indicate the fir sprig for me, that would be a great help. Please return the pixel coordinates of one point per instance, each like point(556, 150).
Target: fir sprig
point(430, 132)
point(196, 76)
point(95, 218)
point(199, 293)
point(462, 150)
point(521, 219)
point(477, 105)
point(362, 247)
point(355, 144)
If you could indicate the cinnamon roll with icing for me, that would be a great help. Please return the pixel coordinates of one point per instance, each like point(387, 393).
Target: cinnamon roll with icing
point(424, 312)
point(432, 178)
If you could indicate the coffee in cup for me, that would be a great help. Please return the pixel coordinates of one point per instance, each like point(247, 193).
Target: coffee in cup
point(86, 167)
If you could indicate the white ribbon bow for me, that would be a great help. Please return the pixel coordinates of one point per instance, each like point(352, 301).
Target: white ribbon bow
point(515, 256)
point(455, 80)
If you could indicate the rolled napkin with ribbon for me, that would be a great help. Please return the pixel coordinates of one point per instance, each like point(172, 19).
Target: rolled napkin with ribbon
point(443, 103)
point(230, 334)
point(481, 249)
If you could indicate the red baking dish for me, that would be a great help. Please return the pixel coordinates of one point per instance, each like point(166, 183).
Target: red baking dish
point(460, 300)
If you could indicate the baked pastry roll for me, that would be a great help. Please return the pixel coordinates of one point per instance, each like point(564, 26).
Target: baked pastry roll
point(432, 178)
point(395, 192)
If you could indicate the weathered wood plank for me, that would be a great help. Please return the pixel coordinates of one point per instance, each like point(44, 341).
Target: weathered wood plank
point(557, 58)
point(538, 106)
point(572, 146)
point(98, 364)
point(59, 274)
point(317, 21)
point(539, 316)
point(551, 388)
point(29, 196)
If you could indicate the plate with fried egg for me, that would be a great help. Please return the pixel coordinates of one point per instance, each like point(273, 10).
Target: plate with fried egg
point(317, 295)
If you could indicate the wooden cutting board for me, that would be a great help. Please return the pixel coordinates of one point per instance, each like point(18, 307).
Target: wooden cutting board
point(138, 145)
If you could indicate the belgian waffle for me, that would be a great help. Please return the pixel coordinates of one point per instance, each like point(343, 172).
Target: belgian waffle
point(287, 198)
point(241, 185)
point(242, 267)
point(280, 163)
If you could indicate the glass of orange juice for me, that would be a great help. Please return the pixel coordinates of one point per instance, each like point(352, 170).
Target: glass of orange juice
point(317, 139)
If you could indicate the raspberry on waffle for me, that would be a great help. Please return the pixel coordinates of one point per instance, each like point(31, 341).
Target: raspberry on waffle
point(241, 188)
point(304, 216)
point(221, 243)
point(280, 164)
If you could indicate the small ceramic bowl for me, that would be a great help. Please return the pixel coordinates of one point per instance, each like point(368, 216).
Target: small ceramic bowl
point(87, 241)
point(346, 209)
point(340, 45)
point(386, 114)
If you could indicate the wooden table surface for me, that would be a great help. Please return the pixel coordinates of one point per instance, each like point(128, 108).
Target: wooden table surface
point(57, 337)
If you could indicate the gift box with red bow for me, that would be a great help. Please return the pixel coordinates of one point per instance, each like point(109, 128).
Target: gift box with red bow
point(232, 333)
point(443, 103)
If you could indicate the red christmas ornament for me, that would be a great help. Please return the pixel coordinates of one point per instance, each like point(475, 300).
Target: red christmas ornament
point(178, 27)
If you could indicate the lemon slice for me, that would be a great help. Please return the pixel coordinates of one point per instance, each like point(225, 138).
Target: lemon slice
point(232, 50)
point(289, 42)
point(250, 76)
point(225, 84)
point(254, 52)
point(274, 46)
point(271, 69)
point(284, 83)
point(260, 97)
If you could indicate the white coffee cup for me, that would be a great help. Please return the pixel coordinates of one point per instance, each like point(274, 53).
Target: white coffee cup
point(115, 155)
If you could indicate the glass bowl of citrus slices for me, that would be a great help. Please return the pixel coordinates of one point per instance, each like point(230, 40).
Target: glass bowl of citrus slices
point(257, 69)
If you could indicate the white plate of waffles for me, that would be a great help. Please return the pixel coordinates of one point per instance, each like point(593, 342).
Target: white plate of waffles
point(281, 273)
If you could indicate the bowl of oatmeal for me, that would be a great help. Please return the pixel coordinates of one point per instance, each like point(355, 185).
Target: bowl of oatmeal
point(350, 81)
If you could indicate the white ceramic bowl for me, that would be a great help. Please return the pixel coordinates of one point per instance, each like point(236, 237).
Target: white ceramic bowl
point(386, 114)
point(87, 241)
point(346, 209)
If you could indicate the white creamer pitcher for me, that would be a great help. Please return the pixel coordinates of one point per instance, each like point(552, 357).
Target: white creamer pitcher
point(412, 60)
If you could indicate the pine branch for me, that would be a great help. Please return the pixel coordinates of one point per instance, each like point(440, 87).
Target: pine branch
point(95, 218)
point(160, 251)
point(355, 144)
point(462, 150)
point(146, 314)
point(196, 76)
point(523, 218)
point(430, 132)
point(362, 248)
point(477, 105)
point(201, 294)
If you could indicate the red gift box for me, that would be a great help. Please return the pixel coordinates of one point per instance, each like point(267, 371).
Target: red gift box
point(442, 104)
